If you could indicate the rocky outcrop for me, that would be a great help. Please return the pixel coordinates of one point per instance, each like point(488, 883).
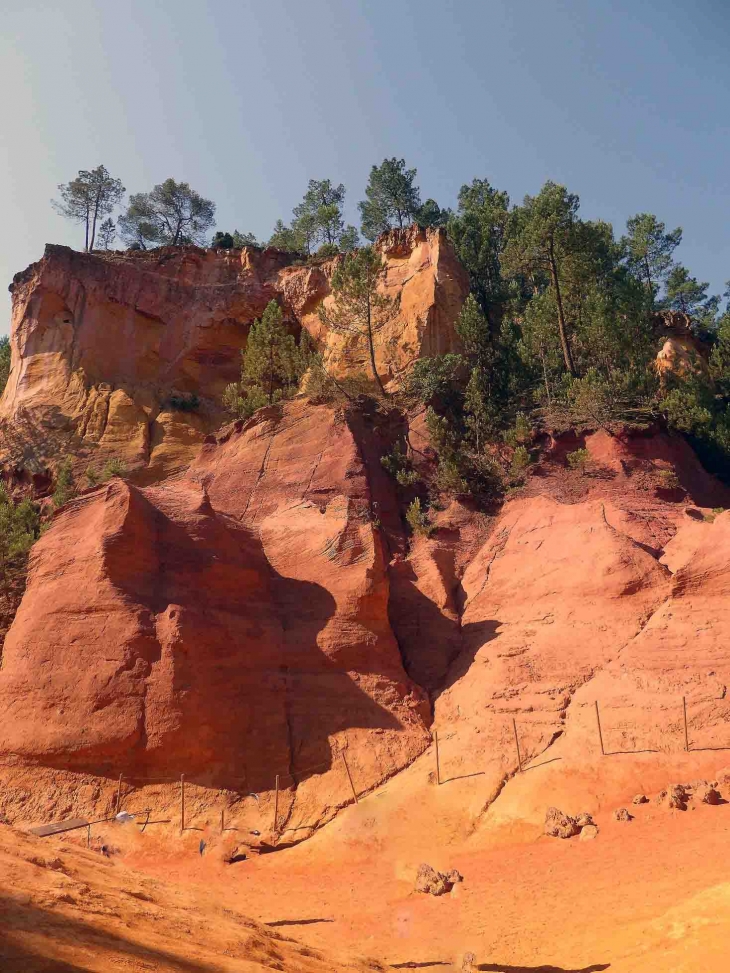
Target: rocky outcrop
point(231, 624)
point(682, 352)
point(127, 354)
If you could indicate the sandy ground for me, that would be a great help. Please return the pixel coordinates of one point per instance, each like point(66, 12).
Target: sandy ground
point(649, 895)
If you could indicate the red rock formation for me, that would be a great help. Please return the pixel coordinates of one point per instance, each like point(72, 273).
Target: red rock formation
point(230, 624)
point(103, 343)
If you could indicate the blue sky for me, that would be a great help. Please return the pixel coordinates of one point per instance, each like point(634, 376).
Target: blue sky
point(624, 102)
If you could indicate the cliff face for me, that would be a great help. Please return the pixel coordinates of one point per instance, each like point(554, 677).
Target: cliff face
point(105, 347)
point(231, 623)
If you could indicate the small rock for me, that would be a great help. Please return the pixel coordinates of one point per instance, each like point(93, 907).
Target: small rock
point(707, 794)
point(469, 963)
point(559, 825)
point(454, 876)
point(623, 815)
point(640, 799)
point(432, 882)
point(584, 820)
point(677, 797)
point(588, 832)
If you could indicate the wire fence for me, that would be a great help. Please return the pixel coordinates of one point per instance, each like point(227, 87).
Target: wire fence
point(132, 780)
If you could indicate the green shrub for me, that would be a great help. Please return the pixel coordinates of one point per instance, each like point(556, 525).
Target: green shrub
point(521, 433)
point(418, 519)
point(20, 527)
point(668, 480)
point(112, 467)
point(519, 465)
point(579, 460)
point(65, 484)
point(399, 466)
point(184, 403)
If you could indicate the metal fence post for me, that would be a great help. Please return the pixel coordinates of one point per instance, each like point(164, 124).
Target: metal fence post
point(276, 804)
point(600, 734)
point(517, 744)
point(438, 761)
point(182, 803)
point(349, 777)
point(686, 731)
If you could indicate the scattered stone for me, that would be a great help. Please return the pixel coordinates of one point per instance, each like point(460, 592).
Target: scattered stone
point(588, 832)
point(584, 820)
point(622, 814)
point(707, 794)
point(435, 883)
point(640, 799)
point(559, 825)
point(677, 797)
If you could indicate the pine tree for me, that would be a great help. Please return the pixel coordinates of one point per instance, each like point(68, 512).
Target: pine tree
point(392, 198)
point(107, 233)
point(543, 232)
point(87, 198)
point(272, 365)
point(649, 250)
point(170, 214)
point(358, 308)
point(686, 293)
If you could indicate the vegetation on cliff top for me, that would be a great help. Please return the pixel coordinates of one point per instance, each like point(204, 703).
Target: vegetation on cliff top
point(561, 325)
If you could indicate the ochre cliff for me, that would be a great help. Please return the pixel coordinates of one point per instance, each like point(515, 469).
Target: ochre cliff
point(231, 624)
point(105, 347)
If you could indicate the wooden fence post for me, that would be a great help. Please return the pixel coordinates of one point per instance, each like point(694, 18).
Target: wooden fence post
point(438, 762)
point(600, 734)
point(223, 820)
point(349, 777)
point(276, 804)
point(686, 731)
point(517, 744)
point(182, 803)
point(119, 794)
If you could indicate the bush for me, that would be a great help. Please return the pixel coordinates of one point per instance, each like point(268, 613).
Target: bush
point(418, 519)
point(519, 465)
point(668, 480)
point(222, 241)
point(112, 467)
point(579, 460)
point(65, 484)
point(399, 466)
point(20, 527)
point(184, 403)
point(521, 433)
point(242, 403)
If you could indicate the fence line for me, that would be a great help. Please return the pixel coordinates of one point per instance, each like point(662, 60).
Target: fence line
point(134, 779)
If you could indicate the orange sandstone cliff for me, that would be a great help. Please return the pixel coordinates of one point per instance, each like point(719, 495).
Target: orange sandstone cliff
point(105, 345)
point(250, 606)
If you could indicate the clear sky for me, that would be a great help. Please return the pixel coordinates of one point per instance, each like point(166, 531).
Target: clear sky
point(624, 101)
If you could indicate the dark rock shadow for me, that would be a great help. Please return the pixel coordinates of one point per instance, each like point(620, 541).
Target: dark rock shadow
point(18, 955)
point(502, 968)
point(214, 668)
point(475, 636)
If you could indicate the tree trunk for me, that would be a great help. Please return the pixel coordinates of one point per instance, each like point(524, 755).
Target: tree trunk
point(271, 372)
point(371, 348)
point(545, 378)
point(567, 355)
point(93, 222)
